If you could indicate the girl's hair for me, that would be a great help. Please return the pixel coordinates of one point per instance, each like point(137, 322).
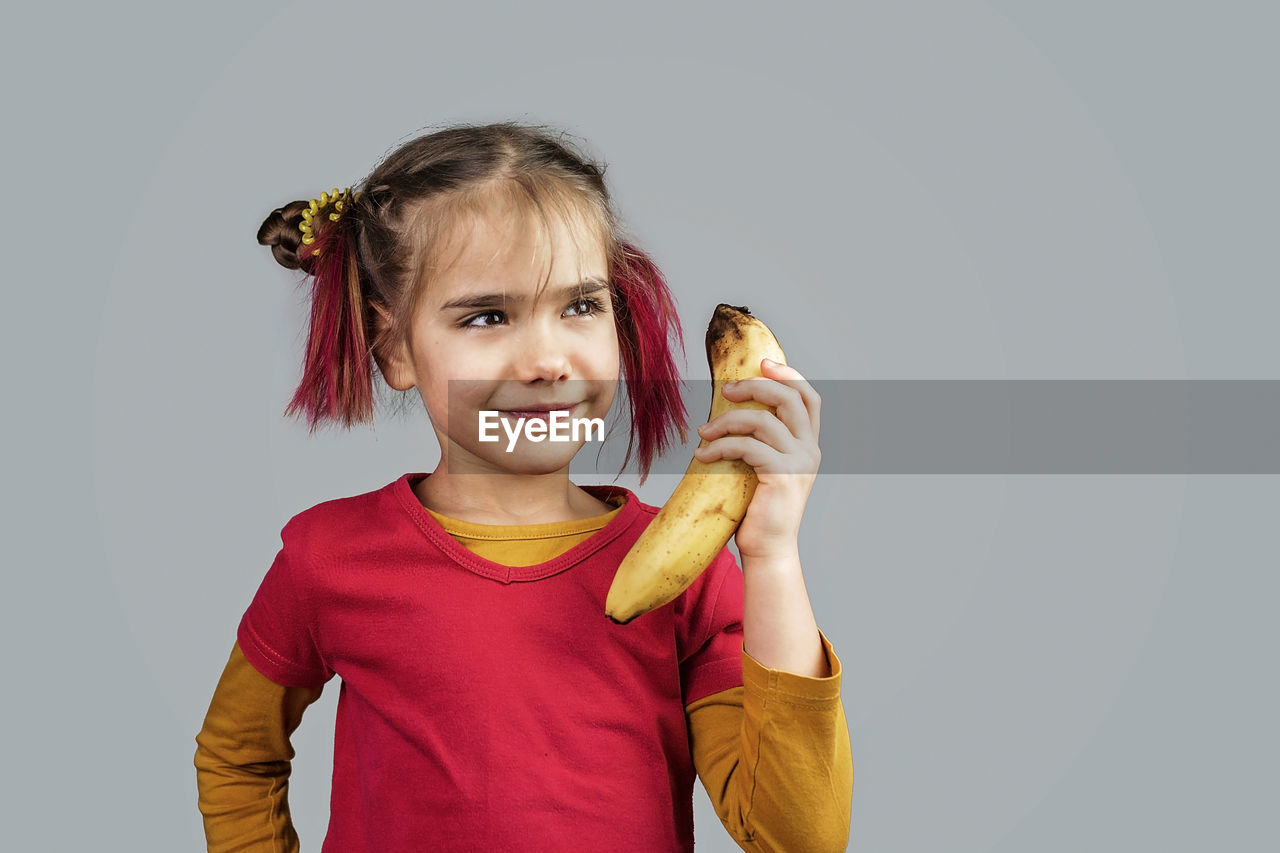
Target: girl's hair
point(388, 240)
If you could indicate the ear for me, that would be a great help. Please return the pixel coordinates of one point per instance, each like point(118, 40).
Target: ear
point(397, 364)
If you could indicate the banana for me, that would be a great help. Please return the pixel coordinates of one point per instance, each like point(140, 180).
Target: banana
point(709, 502)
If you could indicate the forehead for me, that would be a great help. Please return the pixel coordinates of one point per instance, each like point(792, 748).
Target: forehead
point(501, 240)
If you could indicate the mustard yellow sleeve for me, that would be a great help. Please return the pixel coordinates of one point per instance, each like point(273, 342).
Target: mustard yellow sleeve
point(775, 759)
point(242, 760)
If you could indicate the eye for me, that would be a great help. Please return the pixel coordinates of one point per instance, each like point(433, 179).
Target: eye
point(585, 306)
point(470, 322)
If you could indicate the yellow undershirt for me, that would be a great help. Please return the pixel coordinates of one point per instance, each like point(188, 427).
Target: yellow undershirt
point(525, 544)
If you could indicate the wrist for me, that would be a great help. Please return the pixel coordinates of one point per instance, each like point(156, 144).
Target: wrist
point(777, 561)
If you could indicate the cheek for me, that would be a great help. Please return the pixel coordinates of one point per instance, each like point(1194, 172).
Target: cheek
point(613, 354)
point(611, 357)
point(462, 395)
point(436, 401)
point(611, 367)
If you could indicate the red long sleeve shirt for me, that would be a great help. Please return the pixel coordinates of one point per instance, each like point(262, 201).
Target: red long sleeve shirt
point(488, 706)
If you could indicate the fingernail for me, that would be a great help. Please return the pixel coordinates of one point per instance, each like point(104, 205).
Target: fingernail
point(770, 362)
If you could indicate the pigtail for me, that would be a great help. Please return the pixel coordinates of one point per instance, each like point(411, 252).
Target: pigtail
point(337, 373)
point(647, 320)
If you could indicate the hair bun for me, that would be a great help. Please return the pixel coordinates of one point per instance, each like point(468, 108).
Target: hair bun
point(280, 231)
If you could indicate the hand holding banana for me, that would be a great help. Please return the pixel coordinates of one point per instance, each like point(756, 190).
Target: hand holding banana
point(752, 472)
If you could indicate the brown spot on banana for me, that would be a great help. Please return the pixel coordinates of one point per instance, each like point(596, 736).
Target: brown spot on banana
point(711, 499)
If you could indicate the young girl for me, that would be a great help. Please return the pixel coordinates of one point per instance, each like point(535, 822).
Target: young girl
point(486, 702)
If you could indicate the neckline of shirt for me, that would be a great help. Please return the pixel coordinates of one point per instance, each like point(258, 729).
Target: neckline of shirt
point(614, 523)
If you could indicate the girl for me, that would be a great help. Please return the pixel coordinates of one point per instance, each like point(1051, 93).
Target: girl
point(486, 703)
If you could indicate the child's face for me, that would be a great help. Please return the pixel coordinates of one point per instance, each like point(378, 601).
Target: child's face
point(482, 341)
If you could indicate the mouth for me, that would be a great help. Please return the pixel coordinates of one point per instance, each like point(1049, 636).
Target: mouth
point(541, 412)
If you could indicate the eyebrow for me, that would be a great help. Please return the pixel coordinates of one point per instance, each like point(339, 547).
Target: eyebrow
point(489, 300)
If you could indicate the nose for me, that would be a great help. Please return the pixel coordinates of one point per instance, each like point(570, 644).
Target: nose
point(542, 354)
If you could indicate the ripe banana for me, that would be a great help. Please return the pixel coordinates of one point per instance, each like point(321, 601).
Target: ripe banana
point(708, 504)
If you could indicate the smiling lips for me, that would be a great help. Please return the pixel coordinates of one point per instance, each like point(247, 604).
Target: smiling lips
point(541, 413)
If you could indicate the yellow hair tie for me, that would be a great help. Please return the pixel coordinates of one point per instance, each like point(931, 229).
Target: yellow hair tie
point(338, 198)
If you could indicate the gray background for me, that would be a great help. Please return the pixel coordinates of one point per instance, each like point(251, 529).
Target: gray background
point(954, 191)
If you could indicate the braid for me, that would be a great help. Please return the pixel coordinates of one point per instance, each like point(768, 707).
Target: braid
point(280, 231)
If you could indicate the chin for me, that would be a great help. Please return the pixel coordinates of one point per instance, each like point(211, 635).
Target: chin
point(530, 460)
point(521, 461)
